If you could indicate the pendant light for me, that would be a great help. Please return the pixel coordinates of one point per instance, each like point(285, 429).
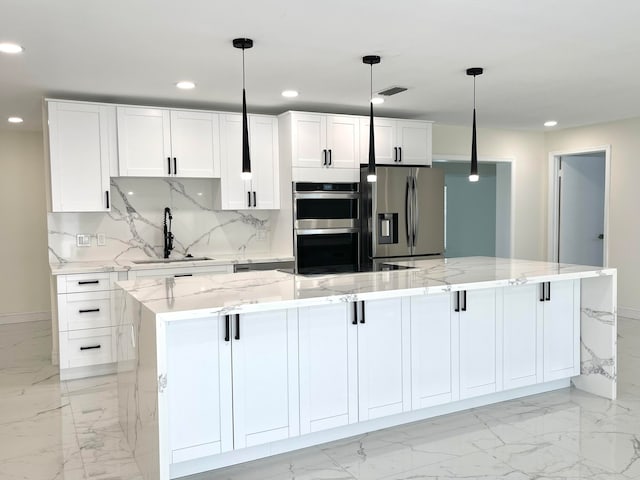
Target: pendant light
point(244, 43)
point(473, 175)
point(371, 60)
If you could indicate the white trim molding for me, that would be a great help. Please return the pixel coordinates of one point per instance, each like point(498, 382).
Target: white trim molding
point(8, 318)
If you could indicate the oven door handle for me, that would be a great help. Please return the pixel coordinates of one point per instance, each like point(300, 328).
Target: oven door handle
point(325, 231)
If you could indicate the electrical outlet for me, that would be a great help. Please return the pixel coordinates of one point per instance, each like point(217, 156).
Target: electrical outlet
point(102, 239)
point(83, 240)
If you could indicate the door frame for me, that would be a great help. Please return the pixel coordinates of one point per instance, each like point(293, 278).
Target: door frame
point(554, 199)
point(511, 161)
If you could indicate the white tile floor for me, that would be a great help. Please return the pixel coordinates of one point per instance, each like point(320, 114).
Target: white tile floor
point(52, 430)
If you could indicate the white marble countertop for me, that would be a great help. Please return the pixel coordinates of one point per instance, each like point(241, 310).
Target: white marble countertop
point(189, 297)
point(122, 265)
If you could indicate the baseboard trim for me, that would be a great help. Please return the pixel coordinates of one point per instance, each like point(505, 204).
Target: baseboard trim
point(628, 312)
point(8, 318)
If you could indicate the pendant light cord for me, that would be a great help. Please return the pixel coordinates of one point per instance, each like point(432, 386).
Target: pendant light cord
point(474, 91)
point(371, 86)
point(243, 75)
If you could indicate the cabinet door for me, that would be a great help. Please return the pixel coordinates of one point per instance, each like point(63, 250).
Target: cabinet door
point(562, 330)
point(235, 192)
point(81, 146)
point(265, 181)
point(431, 351)
point(308, 136)
point(343, 142)
point(144, 142)
point(414, 140)
point(265, 373)
point(195, 144)
point(384, 131)
point(522, 327)
point(328, 367)
point(477, 316)
point(383, 360)
point(198, 388)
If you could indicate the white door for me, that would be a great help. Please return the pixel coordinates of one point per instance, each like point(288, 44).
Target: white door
point(195, 143)
point(265, 181)
point(309, 138)
point(478, 356)
point(343, 141)
point(384, 132)
point(431, 351)
point(144, 142)
point(562, 330)
point(199, 388)
point(414, 142)
point(522, 327)
point(581, 226)
point(328, 367)
point(265, 373)
point(234, 191)
point(383, 360)
point(80, 151)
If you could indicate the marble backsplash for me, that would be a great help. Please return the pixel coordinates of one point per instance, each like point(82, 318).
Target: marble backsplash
point(134, 227)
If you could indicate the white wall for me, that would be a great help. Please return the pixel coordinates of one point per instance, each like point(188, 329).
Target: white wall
point(624, 221)
point(24, 283)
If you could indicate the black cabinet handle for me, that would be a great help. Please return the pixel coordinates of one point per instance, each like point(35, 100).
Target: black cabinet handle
point(248, 199)
point(324, 158)
point(542, 289)
point(106, 194)
point(226, 328)
point(183, 275)
point(464, 301)
point(457, 307)
point(395, 154)
point(254, 198)
point(329, 156)
point(548, 296)
point(237, 337)
point(90, 347)
point(175, 166)
point(355, 313)
point(168, 165)
point(399, 154)
point(363, 309)
point(88, 282)
point(89, 310)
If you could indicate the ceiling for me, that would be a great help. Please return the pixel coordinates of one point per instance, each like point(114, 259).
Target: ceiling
point(574, 61)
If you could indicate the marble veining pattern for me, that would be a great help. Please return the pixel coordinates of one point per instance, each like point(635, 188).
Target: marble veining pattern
point(56, 430)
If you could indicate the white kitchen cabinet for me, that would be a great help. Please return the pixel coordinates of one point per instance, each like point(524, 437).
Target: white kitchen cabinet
point(434, 351)
point(328, 355)
point(383, 359)
point(476, 313)
point(199, 402)
point(265, 377)
point(156, 142)
point(561, 330)
point(82, 145)
point(262, 191)
point(322, 147)
point(397, 142)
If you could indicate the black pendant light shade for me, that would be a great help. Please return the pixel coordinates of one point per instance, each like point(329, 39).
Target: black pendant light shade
point(244, 43)
point(473, 174)
point(371, 170)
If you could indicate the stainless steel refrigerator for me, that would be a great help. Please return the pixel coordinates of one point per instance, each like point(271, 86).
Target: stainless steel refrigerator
point(402, 213)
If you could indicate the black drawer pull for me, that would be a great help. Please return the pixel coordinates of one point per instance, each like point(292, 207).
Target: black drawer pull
point(464, 301)
point(248, 199)
point(362, 318)
point(457, 307)
point(254, 199)
point(88, 282)
point(175, 166)
point(355, 313)
point(548, 296)
point(226, 328)
point(399, 154)
point(168, 165)
point(330, 161)
point(89, 310)
point(183, 275)
point(91, 347)
point(238, 326)
point(542, 289)
point(107, 195)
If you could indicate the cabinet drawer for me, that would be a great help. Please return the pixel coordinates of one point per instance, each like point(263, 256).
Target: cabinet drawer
point(85, 282)
point(81, 348)
point(181, 271)
point(78, 311)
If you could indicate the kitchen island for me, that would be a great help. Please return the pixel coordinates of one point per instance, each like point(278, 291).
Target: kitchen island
point(218, 370)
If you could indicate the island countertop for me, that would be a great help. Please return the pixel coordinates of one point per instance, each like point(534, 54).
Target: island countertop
point(189, 297)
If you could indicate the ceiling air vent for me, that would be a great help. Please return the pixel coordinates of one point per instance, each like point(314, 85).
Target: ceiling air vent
point(391, 91)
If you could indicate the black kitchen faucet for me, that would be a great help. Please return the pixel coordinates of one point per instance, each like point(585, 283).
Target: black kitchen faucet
point(168, 236)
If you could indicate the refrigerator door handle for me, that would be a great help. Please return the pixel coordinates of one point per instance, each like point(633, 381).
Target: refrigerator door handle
point(407, 211)
point(415, 208)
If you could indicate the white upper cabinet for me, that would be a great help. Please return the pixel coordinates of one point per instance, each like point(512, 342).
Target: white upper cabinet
point(155, 142)
point(322, 147)
point(82, 150)
point(263, 190)
point(397, 142)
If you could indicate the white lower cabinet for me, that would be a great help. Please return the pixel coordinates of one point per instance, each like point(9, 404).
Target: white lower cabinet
point(476, 314)
point(328, 355)
point(434, 351)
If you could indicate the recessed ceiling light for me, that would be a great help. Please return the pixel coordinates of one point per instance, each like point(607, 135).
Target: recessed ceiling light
point(10, 48)
point(377, 100)
point(550, 123)
point(290, 93)
point(185, 85)
point(15, 120)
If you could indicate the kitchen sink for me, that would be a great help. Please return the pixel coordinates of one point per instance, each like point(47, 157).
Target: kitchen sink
point(171, 260)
